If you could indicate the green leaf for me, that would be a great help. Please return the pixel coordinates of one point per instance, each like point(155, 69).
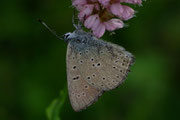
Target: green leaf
point(56, 105)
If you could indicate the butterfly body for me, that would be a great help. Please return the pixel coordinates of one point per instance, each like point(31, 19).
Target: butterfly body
point(93, 67)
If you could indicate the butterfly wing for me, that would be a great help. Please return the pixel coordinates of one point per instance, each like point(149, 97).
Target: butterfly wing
point(110, 66)
point(81, 93)
point(94, 67)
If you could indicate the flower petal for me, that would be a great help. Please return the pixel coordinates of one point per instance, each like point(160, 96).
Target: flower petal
point(89, 22)
point(105, 3)
point(109, 26)
point(99, 32)
point(122, 11)
point(132, 1)
point(116, 8)
point(86, 11)
point(96, 23)
point(78, 2)
point(114, 24)
point(127, 14)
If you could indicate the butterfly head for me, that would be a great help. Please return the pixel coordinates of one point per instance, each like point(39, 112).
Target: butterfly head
point(68, 36)
point(77, 36)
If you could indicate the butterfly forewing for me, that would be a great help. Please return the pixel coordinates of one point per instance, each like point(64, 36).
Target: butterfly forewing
point(94, 66)
point(81, 93)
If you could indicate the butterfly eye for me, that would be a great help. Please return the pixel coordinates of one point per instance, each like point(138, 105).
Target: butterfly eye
point(67, 35)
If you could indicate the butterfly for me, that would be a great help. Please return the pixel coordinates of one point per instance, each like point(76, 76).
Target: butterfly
point(94, 66)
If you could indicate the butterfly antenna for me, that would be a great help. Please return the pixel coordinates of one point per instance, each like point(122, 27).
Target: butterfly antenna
point(51, 30)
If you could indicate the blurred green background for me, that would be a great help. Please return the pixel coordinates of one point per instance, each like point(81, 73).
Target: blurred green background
point(33, 67)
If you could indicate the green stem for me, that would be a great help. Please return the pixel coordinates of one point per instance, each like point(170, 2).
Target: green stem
point(56, 106)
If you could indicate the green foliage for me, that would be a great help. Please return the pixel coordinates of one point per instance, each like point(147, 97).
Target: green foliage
point(33, 63)
point(56, 106)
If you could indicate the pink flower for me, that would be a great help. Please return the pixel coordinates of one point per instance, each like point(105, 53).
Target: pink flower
point(79, 3)
point(132, 1)
point(122, 11)
point(86, 11)
point(89, 22)
point(114, 24)
point(102, 15)
point(93, 22)
point(104, 2)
